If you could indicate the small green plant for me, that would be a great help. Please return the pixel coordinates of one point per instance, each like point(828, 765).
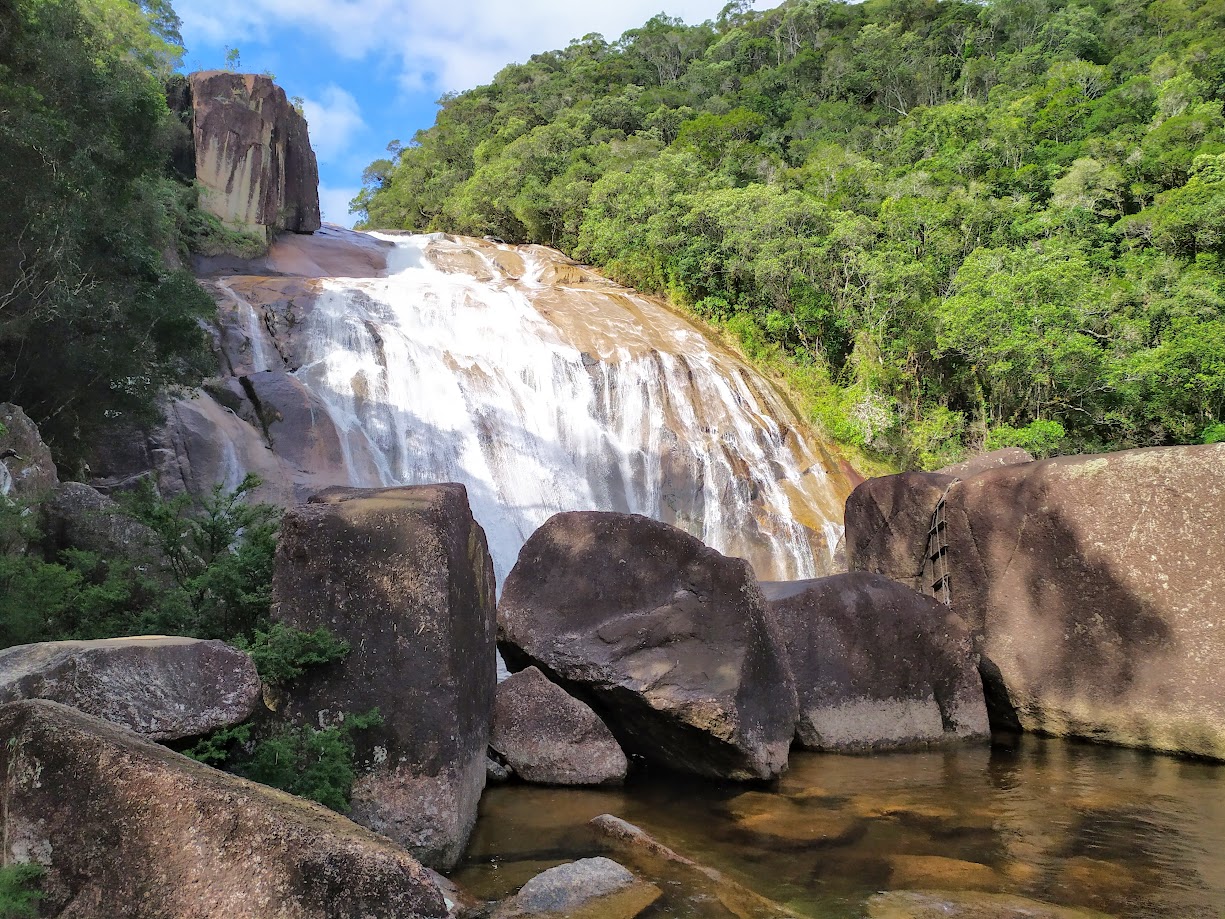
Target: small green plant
point(19, 894)
point(282, 653)
point(1213, 434)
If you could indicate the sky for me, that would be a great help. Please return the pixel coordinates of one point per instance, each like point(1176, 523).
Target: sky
point(370, 71)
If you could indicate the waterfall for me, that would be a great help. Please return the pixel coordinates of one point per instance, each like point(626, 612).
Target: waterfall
point(543, 387)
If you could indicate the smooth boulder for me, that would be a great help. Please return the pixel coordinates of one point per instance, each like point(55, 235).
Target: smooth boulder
point(590, 888)
point(888, 520)
point(877, 666)
point(1098, 584)
point(993, 459)
point(161, 687)
point(404, 576)
point(127, 829)
point(547, 736)
point(667, 639)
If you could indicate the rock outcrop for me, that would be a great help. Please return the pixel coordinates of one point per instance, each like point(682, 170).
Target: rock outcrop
point(403, 575)
point(667, 639)
point(590, 888)
point(76, 516)
point(127, 829)
point(27, 471)
point(163, 688)
point(876, 665)
point(887, 524)
point(547, 736)
point(1007, 456)
point(1098, 584)
point(253, 158)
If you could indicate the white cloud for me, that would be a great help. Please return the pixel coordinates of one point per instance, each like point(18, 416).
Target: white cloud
point(438, 46)
point(333, 121)
point(334, 204)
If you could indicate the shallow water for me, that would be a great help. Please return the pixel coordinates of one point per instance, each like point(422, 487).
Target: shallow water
point(1125, 833)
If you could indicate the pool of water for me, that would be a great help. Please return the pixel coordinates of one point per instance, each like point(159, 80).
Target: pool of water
point(1121, 832)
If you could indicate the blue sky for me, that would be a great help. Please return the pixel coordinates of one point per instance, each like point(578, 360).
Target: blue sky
point(370, 70)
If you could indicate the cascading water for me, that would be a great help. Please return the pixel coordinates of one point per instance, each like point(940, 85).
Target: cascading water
point(544, 388)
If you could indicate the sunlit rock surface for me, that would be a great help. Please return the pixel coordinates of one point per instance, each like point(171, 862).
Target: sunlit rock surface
point(366, 361)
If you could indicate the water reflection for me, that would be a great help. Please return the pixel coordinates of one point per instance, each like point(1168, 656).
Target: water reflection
point(1116, 831)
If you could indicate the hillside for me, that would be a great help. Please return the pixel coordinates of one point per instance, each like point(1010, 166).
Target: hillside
point(948, 224)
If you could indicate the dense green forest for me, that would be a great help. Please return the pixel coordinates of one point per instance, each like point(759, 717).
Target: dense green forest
point(949, 224)
point(97, 314)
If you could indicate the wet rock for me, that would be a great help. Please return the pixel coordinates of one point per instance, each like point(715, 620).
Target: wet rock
point(1098, 583)
point(668, 640)
point(459, 902)
point(127, 829)
point(793, 823)
point(876, 665)
point(912, 904)
point(673, 870)
point(887, 522)
point(1008, 456)
point(253, 157)
point(496, 771)
point(934, 872)
point(403, 575)
point(163, 688)
point(27, 471)
point(590, 888)
point(547, 736)
point(76, 516)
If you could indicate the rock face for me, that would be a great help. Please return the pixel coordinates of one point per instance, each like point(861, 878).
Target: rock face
point(26, 468)
point(1098, 583)
point(590, 888)
point(253, 157)
point(887, 524)
point(404, 575)
point(163, 688)
point(876, 665)
point(1008, 456)
point(128, 830)
point(667, 639)
point(547, 736)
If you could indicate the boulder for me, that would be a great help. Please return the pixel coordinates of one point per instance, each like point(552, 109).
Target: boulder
point(1098, 583)
point(887, 524)
point(76, 516)
point(253, 158)
point(403, 575)
point(27, 471)
point(163, 688)
point(667, 639)
point(547, 736)
point(1007, 456)
point(127, 829)
point(876, 665)
point(590, 888)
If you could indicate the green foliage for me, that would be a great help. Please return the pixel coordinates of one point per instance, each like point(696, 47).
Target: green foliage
point(935, 220)
point(1215, 434)
point(19, 894)
point(304, 761)
point(282, 653)
point(89, 213)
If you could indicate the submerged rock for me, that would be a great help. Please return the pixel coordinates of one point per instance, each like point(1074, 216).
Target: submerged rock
point(876, 665)
point(547, 736)
point(1098, 583)
point(913, 904)
point(666, 638)
point(590, 888)
point(163, 688)
point(127, 829)
point(887, 524)
point(404, 576)
point(26, 468)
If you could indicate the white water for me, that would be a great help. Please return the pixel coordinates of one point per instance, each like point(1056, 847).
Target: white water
point(433, 375)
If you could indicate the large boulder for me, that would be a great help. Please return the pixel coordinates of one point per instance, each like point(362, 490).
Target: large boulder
point(253, 158)
point(994, 459)
point(888, 520)
point(876, 665)
point(76, 516)
point(666, 638)
point(1098, 583)
point(547, 736)
point(403, 575)
point(127, 829)
point(590, 888)
point(163, 688)
point(26, 468)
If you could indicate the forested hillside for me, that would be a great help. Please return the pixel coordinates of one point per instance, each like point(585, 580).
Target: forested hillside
point(96, 313)
point(950, 224)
